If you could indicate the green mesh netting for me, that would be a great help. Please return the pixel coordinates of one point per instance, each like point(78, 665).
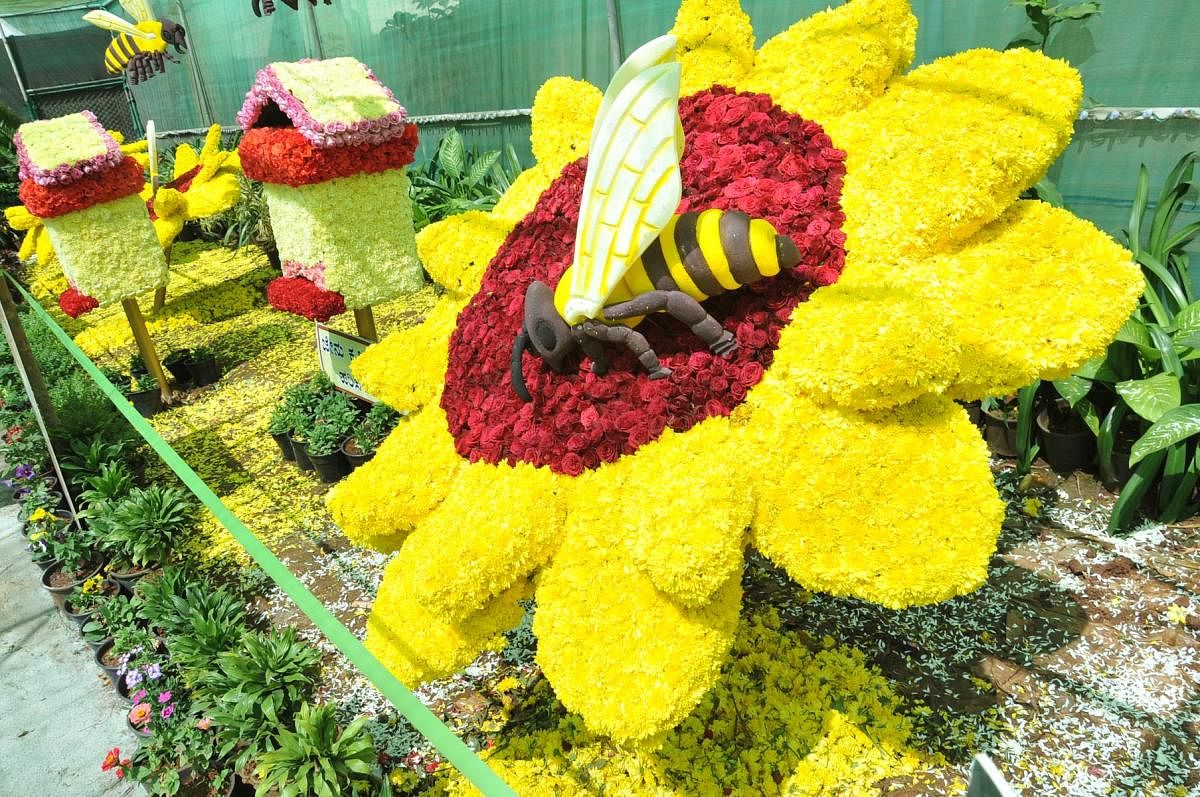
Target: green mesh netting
point(447, 56)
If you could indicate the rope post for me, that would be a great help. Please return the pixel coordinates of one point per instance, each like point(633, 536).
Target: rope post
point(145, 345)
point(364, 319)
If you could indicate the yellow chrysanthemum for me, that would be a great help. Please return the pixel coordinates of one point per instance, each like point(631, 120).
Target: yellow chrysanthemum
point(848, 464)
point(202, 184)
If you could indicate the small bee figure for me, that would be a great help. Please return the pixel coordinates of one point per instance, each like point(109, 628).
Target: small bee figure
point(633, 254)
point(260, 7)
point(138, 49)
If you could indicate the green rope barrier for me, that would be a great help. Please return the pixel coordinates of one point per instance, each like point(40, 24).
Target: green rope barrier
point(441, 737)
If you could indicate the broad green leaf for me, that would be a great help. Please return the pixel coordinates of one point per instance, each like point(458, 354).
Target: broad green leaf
point(1151, 398)
point(480, 168)
point(1166, 347)
point(1048, 192)
point(1134, 491)
point(1190, 341)
point(1078, 11)
point(452, 157)
point(1187, 320)
point(1087, 411)
point(1134, 331)
point(1073, 388)
point(1176, 425)
point(1098, 369)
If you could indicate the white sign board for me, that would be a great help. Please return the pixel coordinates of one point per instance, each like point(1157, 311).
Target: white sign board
point(336, 350)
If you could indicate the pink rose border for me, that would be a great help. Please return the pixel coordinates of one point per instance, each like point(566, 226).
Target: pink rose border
point(67, 173)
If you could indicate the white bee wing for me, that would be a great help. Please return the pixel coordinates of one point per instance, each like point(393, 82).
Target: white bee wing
point(138, 10)
point(632, 187)
point(107, 21)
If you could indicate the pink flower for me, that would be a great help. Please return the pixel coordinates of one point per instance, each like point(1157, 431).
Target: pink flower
point(140, 714)
point(164, 697)
point(168, 711)
point(204, 723)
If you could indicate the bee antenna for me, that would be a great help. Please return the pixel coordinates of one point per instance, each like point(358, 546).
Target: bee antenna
point(518, 378)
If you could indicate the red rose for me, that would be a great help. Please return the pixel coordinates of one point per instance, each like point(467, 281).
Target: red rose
point(571, 464)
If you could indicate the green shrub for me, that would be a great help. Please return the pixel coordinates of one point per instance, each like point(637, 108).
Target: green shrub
point(318, 759)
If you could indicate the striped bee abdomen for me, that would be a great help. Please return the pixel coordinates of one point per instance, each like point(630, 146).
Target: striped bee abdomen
point(122, 48)
point(708, 253)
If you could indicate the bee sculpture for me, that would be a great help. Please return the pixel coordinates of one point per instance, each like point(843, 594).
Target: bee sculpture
point(138, 49)
point(633, 254)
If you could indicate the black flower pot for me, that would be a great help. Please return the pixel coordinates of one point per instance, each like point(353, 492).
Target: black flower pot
point(330, 467)
point(284, 441)
point(177, 364)
point(1000, 434)
point(1065, 450)
point(204, 372)
point(128, 579)
point(147, 402)
point(300, 449)
point(109, 669)
point(354, 454)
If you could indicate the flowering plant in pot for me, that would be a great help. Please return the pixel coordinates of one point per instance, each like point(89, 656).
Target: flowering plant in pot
point(369, 433)
point(143, 527)
point(38, 495)
point(113, 614)
point(334, 418)
point(178, 755)
point(129, 647)
point(317, 757)
point(82, 603)
point(75, 560)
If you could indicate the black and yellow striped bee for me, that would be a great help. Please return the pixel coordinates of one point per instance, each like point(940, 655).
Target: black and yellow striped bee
point(633, 254)
point(139, 49)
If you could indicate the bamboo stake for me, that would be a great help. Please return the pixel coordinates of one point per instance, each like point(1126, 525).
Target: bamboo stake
point(145, 345)
point(24, 356)
point(364, 318)
point(160, 298)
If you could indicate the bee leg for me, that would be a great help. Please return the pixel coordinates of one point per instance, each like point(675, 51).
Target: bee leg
point(595, 350)
point(683, 307)
point(630, 339)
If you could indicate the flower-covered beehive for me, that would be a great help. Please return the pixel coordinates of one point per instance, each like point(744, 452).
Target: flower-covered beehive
point(830, 441)
point(330, 142)
point(76, 179)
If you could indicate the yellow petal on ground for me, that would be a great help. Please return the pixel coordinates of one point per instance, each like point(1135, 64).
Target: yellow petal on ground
point(948, 148)
point(715, 44)
point(418, 645)
point(866, 347)
point(685, 510)
point(836, 61)
point(496, 525)
point(406, 369)
point(379, 503)
point(456, 250)
point(563, 112)
point(846, 748)
point(895, 507)
point(617, 651)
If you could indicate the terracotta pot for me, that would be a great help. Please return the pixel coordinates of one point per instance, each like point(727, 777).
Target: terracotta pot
point(1065, 451)
point(1000, 433)
point(59, 593)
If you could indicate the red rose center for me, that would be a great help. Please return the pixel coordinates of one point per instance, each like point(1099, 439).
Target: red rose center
point(742, 153)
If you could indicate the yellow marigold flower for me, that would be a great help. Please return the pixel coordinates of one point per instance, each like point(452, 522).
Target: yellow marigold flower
point(951, 289)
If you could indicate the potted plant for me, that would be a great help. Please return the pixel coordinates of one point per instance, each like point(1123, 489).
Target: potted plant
point(1000, 417)
point(109, 486)
point(143, 392)
point(130, 649)
point(86, 458)
point(120, 381)
point(142, 529)
point(369, 433)
point(75, 561)
point(1067, 442)
point(82, 604)
point(302, 399)
point(38, 495)
point(202, 365)
point(280, 428)
point(318, 758)
point(112, 614)
point(255, 689)
point(177, 363)
point(334, 418)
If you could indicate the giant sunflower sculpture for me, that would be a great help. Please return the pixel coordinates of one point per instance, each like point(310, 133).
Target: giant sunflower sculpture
point(831, 441)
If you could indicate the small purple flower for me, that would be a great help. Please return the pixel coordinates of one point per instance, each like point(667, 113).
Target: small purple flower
point(168, 711)
point(133, 677)
point(164, 697)
point(153, 672)
point(23, 472)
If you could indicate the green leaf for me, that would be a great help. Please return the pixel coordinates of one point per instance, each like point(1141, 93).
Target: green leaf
point(1134, 331)
point(452, 155)
point(1173, 473)
point(1164, 276)
point(1177, 506)
point(1087, 411)
point(1176, 425)
point(1166, 347)
point(1140, 198)
point(480, 168)
point(1023, 41)
point(1048, 192)
point(1107, 438)
point(1187, 320)
point(1151, 398)
point(1099, 369)
point(1073, 388)
point(1077, 11)
point(1134, 491)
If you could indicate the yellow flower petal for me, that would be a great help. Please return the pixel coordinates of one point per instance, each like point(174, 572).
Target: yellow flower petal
point(948, 148)
point(836, 61)
point(418, 645)
point(456, 251)
point(563, 112)
point(379, 503)
point(496, 525)
point(406, 369)
point(896, 507)
point(618, 651)
point(715, 43)
point(185, 160)
point(866, 347)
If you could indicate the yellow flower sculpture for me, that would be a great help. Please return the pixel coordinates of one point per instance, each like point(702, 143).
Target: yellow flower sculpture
point(202, 184)
point(840, 453)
